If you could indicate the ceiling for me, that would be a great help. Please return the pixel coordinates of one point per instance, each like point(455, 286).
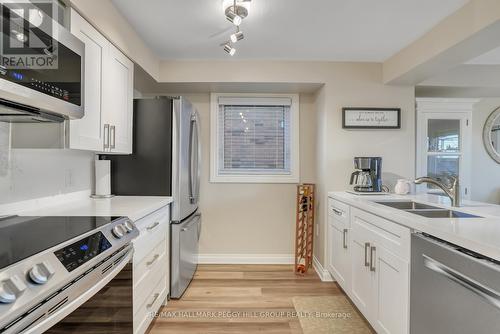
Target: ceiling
point(489, 58)
point(328, 30)
point(479, 77)
point(470, 75)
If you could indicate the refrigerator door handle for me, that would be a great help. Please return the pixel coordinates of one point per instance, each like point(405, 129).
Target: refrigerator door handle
point(191, 165)
point(195, 219)
point(197, 153)
point(194, 160)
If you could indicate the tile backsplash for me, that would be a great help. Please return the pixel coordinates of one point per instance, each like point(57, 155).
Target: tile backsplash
point(33, 173)
point(4, 148)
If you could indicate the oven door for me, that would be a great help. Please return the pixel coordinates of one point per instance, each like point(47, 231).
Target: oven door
point(98, 306)
point(109, 311)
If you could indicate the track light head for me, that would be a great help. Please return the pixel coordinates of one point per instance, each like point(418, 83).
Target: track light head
point(229, 49)
point(232, 17)
point(237, 36)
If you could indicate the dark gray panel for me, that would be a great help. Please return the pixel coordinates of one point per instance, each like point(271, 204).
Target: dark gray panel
point(148, 170)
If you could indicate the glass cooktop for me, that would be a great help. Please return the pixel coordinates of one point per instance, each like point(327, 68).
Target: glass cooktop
point(22, 236)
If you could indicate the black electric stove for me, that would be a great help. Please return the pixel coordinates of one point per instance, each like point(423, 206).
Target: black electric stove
point(22, 236)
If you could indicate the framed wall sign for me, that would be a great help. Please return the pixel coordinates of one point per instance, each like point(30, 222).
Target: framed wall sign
point(371, 118)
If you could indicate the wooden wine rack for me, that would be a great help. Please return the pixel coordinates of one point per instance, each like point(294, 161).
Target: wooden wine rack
point(304, 232)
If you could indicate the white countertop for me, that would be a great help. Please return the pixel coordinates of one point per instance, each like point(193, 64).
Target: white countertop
point(133, 207)
point(481, 235)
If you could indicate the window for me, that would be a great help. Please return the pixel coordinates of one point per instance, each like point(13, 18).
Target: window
point(443, 141)
point(255, 138)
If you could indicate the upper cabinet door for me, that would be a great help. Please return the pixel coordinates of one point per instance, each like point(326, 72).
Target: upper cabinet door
point(118, 100)
point(87, 133)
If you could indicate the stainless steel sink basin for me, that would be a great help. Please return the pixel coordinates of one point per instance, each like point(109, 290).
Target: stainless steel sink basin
point(406, 205)
point(442, 214)
point(426, 210)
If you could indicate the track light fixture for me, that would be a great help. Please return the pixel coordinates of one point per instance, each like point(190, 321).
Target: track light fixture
point(229, 49)
point(237, 36)
point(232, 17)
point(235, 11)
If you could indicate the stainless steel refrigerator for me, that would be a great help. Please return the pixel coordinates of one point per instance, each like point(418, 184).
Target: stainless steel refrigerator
point(166, 161)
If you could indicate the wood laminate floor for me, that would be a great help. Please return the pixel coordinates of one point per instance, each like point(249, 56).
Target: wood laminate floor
point(240, 299)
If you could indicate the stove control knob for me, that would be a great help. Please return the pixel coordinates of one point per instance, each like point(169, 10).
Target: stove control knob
point(129, 227)
point(118, 231)
point(10, 289)
point(41, 272)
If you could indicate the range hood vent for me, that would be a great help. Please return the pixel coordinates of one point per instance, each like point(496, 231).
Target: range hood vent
point(12, 112)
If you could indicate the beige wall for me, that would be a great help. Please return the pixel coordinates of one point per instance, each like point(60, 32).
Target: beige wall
point(252, 218)
point(485, 171)
point(259, 218)
point(360, 85)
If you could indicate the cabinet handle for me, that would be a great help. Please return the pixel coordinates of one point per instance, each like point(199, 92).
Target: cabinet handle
point(338, 212)
point(153, 301)
point(367, 245)
point(112, 132)
point(153, 260)
point(106, 137)
point(344, 240)
point(372, 263)
point(152, 226)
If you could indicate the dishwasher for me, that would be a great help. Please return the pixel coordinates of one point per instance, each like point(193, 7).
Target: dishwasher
point(453, 290)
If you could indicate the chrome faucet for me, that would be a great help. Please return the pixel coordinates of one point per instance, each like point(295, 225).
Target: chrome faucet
point(452, 191)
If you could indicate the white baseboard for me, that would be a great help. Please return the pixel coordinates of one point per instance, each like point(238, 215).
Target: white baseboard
point(323, 274)
point(246, 259)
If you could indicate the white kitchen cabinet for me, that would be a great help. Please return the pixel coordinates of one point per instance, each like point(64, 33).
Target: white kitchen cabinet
point(380, 278)
point(363, 283)
point(393, 289)
point(118, 100)
point(339, 250)
point(87, 133)
point(151, 267)
point(108, 101)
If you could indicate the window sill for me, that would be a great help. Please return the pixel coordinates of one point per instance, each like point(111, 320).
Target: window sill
point(254, 179)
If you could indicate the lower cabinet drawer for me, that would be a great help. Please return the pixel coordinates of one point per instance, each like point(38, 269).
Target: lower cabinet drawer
point(392, 236)
point(147, 240)
point(144, 287)
point(148, 264)
point(153, 219)
point(339, 212)
point(145, 314)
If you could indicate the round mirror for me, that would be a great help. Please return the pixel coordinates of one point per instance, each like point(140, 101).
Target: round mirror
point(491, 135)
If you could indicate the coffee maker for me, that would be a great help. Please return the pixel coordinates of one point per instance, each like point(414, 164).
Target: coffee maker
point(367, 177)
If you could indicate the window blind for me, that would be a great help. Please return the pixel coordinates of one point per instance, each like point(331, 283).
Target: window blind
point(254, 139)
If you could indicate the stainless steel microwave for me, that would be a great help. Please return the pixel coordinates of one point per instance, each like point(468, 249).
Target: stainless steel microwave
point(41, 67)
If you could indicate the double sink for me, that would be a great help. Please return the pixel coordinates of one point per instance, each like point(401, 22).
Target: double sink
point(426, 210)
